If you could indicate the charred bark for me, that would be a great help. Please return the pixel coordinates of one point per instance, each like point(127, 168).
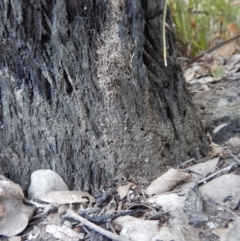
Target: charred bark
point(84, 91)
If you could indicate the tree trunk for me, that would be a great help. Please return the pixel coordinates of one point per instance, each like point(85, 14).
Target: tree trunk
point(84, 91)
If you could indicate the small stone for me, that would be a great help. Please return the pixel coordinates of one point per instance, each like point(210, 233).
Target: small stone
point(45, 181)
point(62, 210)
point(118, 228)
point(235, 142)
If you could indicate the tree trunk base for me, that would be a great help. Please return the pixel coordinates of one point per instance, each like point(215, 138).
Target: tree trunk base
point(84, 91)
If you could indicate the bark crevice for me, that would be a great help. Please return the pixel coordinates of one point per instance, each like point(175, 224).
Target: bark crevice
point(84, 91)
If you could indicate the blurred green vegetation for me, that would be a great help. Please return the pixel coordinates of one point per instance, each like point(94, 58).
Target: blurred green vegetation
point(200, 24)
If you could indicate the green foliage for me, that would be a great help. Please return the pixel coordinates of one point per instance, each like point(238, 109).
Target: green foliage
point(199, 23)
point(218, 72)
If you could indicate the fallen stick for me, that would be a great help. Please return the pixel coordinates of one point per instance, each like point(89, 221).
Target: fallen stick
point(71, 214)
point(235, 157)
point(228, 168)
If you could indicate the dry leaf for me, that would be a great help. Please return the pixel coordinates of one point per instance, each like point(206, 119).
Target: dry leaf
point(217, 150)
point(136, 229)
point(232, 29)
point(16, 218)
point(223, 232)
point(63, 197)
point(15, 238)
point(64, 233)
point(141, 230)
point(123, 190)
point(226, 50)
point(10, 189)
point(221, 187)
point(186, 232)
point(167, 181)
point(235, 142)
point(195, 72)
point(204, 168)
point(200, 171)
point(170, 202)
point(231, 233)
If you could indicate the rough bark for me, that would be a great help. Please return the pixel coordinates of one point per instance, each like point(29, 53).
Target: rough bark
point(84, 91)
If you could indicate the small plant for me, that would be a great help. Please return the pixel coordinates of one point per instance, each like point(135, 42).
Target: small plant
point(202, 24)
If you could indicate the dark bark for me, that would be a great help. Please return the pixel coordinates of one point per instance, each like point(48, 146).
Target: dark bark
point(84, 91)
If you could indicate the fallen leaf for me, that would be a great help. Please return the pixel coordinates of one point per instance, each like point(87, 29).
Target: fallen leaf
point(170, 202)
point(232, 29)
point(44, 181)
point(16, 218)
point(203, 169)
point(231, 233)
point(10, 189)
point(217, 150)
point(136, 229)
point(189, 74)
point(223, 232)
point(221, 187)
point(186, 232)
point(15, 238)
point(226, 50)
point(235, 142)
point(166, 182)
point(63, 197)
point(64, 233)
point(199, 171)
point(123, 190)
point(234, 233)
point(166, 233)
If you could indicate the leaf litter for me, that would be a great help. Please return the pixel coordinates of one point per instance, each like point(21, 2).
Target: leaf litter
point(197, 201)
point(176, 206)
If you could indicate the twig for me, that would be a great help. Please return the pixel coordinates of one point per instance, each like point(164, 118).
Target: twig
point(85, 229)
point(140, 205)
point(186, 162)
point(224, 207)
point(212, 49)
point(235, 157)
point(144, 197)
point(216, 173)
point(181, 234)
point(190, 171)
point(157, 216)
point(38, 205)
point(71, 214)
point(112, 228)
